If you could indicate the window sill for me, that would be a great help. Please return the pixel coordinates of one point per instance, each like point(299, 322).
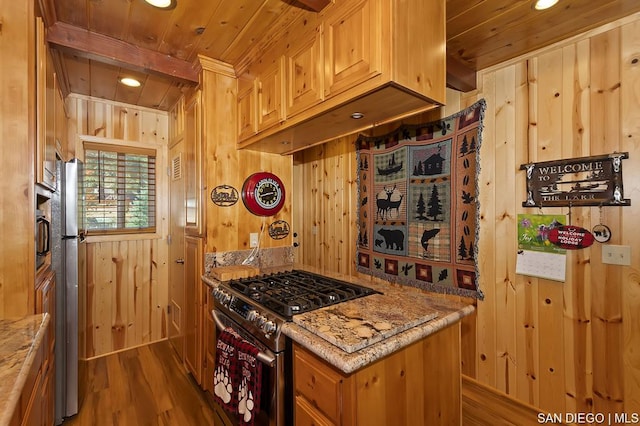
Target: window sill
point(122, 237)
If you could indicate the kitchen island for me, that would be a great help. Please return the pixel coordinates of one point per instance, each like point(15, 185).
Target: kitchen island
point(356, 333)
point(21, 358)
point(389, 358)
point(386, 358)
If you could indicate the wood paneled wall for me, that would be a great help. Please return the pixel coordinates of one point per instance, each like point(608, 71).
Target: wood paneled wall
point(17, 151)
point(228, 228)
point(563, 347)
point(126, 296)
point(124, 290)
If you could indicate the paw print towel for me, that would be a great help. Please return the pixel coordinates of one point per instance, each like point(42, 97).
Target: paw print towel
point(250, 383)
point(226, 375)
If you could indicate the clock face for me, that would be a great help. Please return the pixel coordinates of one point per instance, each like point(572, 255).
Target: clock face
point(263, 194)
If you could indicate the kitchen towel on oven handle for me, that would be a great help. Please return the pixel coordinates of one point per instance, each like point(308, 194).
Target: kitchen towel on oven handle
point(250, 382)
point(227, 375)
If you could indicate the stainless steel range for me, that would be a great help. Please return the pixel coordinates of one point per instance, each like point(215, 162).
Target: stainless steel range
point(257, 307)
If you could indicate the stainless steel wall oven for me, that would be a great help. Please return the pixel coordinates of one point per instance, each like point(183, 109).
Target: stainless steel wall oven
point(43, 238)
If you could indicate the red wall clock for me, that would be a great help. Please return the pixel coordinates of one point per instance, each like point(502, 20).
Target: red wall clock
point(263, 194)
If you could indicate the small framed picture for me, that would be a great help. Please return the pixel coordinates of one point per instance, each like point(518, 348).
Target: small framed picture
point(601, 233)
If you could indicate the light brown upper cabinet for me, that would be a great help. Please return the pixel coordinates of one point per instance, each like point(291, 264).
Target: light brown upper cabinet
point(305, 72)
point(176, 122)
point(45, 111)
point(247, 111)
point(269, 94)
point(381, 58)
point(353, 45)
point(194, 190)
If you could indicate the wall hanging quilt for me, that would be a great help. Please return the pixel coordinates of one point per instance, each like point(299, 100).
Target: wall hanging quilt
point(417, 203)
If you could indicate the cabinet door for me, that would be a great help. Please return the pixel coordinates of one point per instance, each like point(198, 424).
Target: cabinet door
point(193, 268)
point(319, 384)
point(45, 112)
point(353, 43)
point(247, 117)
point(305, 73)
point(269, 95)
point(47, 399)
point(46, 302)
point(306, 415)
point(193, 166)
point(29, 410)
point(176, 310)
point(176, 122)
point(34, 414)
point(61, 139)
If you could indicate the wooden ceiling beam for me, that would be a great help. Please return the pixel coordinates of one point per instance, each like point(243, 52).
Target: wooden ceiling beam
point(315, 5)
point(460, 76)
point(112, 51)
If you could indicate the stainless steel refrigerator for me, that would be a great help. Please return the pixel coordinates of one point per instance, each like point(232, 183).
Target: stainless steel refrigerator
point(67, 252)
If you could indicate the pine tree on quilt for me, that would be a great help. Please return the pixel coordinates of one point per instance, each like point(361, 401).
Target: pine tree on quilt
point(417, 203)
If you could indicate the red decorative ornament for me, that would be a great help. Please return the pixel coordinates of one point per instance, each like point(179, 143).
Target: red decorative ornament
point(263, 194)
point(571, 237)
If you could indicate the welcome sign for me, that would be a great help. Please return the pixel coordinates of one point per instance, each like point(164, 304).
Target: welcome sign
point(585, 181)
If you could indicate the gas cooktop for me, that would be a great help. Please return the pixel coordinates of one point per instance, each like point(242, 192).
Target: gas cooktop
point(295, 292)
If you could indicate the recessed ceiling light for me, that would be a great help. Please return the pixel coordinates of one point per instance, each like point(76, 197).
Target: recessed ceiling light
point(357, 115)
point(544, 4)
point(162, 4)
point(131, 82)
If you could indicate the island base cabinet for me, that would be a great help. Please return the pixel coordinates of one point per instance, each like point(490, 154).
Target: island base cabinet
point(307, 415)
point(417, 385)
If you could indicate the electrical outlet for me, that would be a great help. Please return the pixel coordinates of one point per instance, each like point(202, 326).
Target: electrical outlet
point(253, 239)
point(616, 255)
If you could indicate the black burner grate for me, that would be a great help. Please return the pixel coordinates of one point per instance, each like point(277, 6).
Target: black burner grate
point(295, 292)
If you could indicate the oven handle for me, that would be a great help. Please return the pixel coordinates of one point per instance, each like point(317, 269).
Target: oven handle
point(265, 358)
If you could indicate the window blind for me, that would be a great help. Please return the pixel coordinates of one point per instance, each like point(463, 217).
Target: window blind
point(119, 186)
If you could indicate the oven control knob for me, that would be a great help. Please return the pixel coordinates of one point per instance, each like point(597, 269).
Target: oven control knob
point(252, 314)
point(221, 296)
point(269, 327)
point(260, 320)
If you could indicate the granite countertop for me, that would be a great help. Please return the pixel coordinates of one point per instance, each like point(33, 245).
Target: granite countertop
point(362, 324)
point(20, 340)
point(353, 334)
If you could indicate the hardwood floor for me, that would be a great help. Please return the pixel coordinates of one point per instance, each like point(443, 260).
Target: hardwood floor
point(149, 386)
point(142, 386)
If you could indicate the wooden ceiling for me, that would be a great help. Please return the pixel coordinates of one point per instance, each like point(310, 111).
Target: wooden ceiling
point(97, 41)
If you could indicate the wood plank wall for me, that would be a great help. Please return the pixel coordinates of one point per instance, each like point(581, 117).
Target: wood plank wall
point(17, 147)
point(124, 293)
point(562, 347)
point(228, 228)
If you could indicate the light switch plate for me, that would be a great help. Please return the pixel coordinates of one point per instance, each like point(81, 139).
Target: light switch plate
point(253, 239)
point(616, 255)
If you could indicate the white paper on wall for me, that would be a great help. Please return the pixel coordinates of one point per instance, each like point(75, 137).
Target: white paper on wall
point(537, 256)
point(539, 264)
